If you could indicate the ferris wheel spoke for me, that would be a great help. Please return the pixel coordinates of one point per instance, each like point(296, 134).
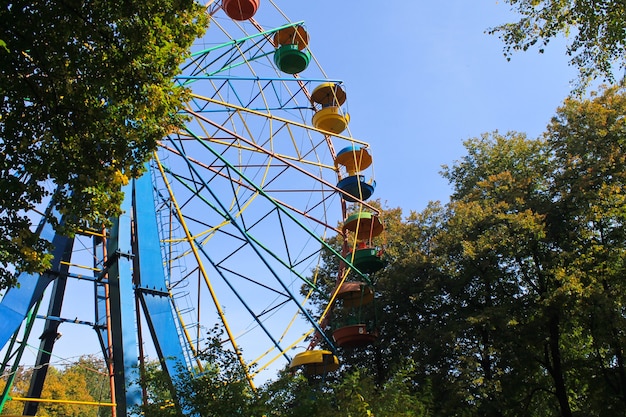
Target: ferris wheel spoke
point(241, 299)
point(287, 298)
point(261, 192)
point(258, 253)
point(247, 238)
point(283, 97)
point(327, 188)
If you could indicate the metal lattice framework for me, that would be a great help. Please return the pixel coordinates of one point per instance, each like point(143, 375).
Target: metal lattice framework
point(225, 227)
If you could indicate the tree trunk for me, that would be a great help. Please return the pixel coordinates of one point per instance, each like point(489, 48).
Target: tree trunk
point(557, 367)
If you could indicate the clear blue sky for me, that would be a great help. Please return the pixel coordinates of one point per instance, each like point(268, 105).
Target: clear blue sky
point(423, 76)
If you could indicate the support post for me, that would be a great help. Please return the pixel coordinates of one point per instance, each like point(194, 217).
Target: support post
point(121, 293)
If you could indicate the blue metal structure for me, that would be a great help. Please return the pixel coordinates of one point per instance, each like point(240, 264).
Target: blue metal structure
point(226, 226)
point(132, 271)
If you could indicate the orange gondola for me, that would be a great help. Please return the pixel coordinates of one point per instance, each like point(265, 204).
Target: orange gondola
point(240, 9)
point(364, 224)
point(354, 329)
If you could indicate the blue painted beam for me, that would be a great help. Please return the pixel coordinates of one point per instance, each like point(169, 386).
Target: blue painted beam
point(122, 301)
point(152, 286)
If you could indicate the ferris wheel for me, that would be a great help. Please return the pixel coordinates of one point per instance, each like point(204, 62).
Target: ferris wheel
point(226, 227)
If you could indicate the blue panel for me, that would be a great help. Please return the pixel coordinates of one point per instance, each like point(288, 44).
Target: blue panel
point(154, 292)
point(18, 301)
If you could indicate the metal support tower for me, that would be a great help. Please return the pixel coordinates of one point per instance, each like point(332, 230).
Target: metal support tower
point(130, 274)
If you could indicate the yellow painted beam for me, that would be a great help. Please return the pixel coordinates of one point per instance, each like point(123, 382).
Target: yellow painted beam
point(48, 400)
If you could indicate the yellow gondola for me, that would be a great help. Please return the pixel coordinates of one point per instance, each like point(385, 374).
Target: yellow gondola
point(331, 117)
point(315, 362)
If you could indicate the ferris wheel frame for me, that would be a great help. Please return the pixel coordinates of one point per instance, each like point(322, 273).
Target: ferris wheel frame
point(129, 275)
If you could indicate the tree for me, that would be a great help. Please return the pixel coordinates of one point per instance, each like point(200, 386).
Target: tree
point(97, 380)
point(598, 46)
point(19, 389)
point(84, 380)
point(221, 388)
point(355, 394)
point(529, 264)
point(508, 300)
point(158, 401)
point(495, 249)
point(588, 138)
point(66, 385)
point(86, 92)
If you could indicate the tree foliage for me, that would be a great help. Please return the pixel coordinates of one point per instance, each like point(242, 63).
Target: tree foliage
point(355, 394)
point(84, 380)
point(220, 388)
point(86, 92)
point(508, 300)
point(597, 45)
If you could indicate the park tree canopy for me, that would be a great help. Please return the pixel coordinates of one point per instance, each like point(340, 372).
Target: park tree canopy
point(508, 299)
point(86, 91)
point(597, 38)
